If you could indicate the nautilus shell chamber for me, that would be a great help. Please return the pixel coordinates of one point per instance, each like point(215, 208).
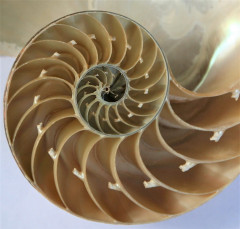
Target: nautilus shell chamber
point(99, 124)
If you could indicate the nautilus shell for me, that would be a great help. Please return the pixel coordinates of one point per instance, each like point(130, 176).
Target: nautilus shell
point(102, 126)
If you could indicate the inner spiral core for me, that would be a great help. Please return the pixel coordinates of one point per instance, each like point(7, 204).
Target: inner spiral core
point(99, 93)
point(114, 92)
point(108, 104)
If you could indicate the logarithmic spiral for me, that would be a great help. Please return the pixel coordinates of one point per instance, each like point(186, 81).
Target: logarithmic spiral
point(91, 125)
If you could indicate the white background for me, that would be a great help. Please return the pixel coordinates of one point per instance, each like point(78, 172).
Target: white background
point(22, 207)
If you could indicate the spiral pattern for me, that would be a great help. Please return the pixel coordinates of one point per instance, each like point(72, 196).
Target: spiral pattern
point(82, 117)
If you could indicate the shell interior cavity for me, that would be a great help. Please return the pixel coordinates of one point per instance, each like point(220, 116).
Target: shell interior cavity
point(92, 127)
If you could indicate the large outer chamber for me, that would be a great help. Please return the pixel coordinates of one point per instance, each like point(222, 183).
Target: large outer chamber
point(190, 151)
point(190, 32)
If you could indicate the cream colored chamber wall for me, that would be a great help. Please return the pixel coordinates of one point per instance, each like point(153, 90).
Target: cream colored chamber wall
point(203, 52)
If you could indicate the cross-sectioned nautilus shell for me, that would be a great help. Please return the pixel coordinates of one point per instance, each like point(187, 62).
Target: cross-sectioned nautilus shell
point(91, 124)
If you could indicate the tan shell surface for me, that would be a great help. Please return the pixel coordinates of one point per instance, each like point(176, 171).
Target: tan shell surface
point(137, 165)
